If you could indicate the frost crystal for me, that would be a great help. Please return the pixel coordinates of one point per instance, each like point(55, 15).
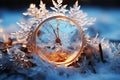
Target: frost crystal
point(41, 13)
point(58, 7)
point(79, 16)
point(37, 13)
point(115, 61)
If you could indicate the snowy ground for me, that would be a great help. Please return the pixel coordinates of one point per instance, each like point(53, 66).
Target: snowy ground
point(46, 72)
point(107, 25)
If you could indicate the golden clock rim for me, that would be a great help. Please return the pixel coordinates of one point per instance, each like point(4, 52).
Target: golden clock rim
point(64, 18)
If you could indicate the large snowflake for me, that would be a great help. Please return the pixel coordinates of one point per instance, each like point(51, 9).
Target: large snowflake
point(40, 14)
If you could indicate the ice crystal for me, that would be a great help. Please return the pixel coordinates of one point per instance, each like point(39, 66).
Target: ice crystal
point(35, 12)
point(115, 61)
point(32, 11)
point(79, 16)
point(58, 7)
point(18, 56)
point(96, 40)
point(116, 47)
point(41, 13)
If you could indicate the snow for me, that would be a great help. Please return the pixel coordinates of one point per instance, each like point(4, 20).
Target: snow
point(46, 72)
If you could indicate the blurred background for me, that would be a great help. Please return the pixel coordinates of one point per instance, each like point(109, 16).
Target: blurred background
point(107, 13)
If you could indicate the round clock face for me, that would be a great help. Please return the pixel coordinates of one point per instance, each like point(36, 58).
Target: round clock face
point(59, 39)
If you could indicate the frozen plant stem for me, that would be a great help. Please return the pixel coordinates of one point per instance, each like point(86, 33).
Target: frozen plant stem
point(101, 53)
